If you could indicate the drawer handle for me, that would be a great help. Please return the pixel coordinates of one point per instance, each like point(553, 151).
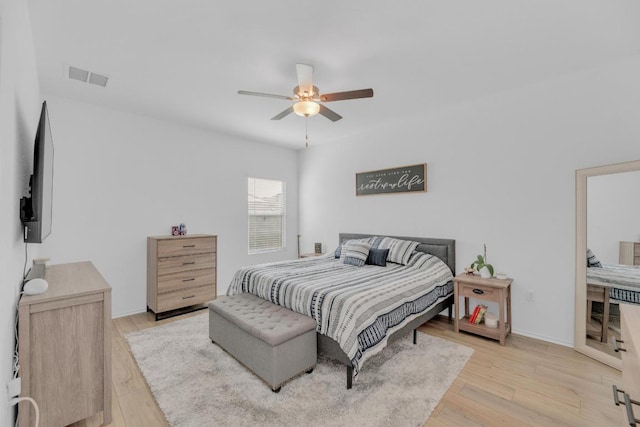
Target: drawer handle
point(478, 291)
point(631, 418)
point(188, 280)
point(190, 296)
point(188, 246)
point(188, 263)
point(615, 345)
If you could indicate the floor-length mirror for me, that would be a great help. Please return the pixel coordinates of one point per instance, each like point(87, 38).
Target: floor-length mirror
point(607, 261)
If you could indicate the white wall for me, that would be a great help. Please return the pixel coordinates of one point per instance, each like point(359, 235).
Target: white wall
point(501, 171)
point(613, 203)
point(119, 178)
point(19, 111)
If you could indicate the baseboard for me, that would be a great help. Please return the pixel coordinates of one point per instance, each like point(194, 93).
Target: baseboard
point(542, 338)
point(128, 313)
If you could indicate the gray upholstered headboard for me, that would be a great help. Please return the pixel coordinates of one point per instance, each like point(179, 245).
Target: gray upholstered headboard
point(445, 249)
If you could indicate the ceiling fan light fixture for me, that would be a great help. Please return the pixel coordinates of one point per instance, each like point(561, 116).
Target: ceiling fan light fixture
point(306, 108)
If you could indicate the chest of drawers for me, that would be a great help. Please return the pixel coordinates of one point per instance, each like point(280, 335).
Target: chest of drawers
point(181, 272)
point(629, 253)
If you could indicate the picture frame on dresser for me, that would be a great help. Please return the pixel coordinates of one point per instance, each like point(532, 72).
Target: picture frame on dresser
point(181, 273)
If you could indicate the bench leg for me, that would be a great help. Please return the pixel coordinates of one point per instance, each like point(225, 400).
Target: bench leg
point(415, 336)
point(349, 377)
point(276, 390)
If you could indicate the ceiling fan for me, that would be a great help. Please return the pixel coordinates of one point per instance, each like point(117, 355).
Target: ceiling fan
point(307, 97)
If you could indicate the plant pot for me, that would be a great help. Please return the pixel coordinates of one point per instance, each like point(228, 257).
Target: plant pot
point(484, 273)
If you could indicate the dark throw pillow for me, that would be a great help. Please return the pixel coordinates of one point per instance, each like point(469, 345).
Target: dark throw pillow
point(378, 257)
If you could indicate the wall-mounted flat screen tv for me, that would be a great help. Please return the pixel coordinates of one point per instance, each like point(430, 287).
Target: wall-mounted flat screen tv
point(36, 209)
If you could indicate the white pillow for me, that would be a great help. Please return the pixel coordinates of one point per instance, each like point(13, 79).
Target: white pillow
point(356, 253)
point(399, 250)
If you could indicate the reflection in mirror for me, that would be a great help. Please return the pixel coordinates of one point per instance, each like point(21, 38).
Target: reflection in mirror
point(605, 230)
point(613, 262)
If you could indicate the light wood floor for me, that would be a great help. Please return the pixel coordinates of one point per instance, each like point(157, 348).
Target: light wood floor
point(526, 383)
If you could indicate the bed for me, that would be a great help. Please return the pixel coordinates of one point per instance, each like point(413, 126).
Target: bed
point(623, 281)
point(359, 310)
point(609, 284)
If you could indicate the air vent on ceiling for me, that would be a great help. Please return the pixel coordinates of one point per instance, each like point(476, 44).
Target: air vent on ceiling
point(85, 76)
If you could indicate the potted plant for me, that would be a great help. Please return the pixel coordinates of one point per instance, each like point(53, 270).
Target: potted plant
point(481, 265)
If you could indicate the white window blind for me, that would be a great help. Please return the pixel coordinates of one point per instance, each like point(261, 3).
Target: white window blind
point(267, 215)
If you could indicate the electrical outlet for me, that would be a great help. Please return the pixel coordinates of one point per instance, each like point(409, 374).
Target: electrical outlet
point(13, 387)
point(531, 296)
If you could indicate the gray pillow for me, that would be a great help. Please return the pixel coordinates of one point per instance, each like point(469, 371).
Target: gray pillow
point(399, 250)
point(592, 261)
point(356, 253)
point(338, 251)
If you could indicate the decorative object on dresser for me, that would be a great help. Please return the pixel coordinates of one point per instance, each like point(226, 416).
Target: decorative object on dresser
point(181, 273)
point(65, 347)
point(628, 346)
point(403, 179)
point(629, 253)
point(487, 289)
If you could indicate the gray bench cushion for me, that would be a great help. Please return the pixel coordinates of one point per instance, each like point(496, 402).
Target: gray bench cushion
point(271, 323)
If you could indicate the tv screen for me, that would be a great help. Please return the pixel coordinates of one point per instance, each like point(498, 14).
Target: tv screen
point(36, 210)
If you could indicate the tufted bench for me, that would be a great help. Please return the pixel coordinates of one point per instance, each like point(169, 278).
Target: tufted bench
point(275, 343)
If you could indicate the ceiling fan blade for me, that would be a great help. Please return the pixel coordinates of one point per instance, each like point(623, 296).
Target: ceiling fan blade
point(266, 95)
point(283, 114)
point(305, 78)
point(329, 114)
point(351, 94)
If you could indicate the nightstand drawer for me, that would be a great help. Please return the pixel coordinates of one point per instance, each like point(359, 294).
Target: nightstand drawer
point(186, 279)
point(177, 264)
point(180, 246)
point(478, 291)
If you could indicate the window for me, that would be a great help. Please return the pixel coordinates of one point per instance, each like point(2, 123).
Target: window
point(267, 215)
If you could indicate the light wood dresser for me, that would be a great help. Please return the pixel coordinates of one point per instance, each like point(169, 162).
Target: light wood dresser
point(628, 347)
point(65, 347)
point(181, 273)
point(629, 253)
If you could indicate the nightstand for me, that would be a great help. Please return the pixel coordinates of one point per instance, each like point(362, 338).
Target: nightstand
point(309, 255)
point(496, 290)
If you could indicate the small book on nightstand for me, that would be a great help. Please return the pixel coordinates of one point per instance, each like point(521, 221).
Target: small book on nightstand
point(478, 314)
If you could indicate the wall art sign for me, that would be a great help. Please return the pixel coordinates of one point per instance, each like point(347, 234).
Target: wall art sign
point(404, 179)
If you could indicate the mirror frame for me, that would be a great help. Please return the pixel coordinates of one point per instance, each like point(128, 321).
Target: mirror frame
point(580, 337)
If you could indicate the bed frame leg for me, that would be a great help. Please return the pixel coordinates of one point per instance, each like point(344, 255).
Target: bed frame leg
point(415, 336)
point(349, 377)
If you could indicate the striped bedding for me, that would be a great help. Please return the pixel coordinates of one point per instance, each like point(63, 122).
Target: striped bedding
point(623, 281)
point(355, 306)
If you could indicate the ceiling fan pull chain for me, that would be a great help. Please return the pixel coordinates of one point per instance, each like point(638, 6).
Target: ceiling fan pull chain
point(306, 133)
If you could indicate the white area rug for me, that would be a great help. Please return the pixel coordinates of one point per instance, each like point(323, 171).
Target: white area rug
point(197, 384)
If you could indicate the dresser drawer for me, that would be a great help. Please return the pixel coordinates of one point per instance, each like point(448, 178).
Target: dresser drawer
point(478, 291)
point(636, 249)
point(185, 246)
point(177, 264)
point(630, 357)
point(186, 297)
point(186, 279)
